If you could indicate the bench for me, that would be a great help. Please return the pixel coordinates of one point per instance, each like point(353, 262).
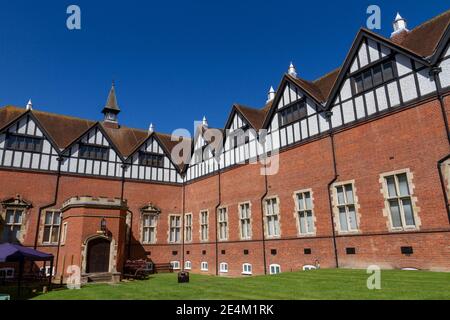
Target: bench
point(163, 267)
point(138, 269)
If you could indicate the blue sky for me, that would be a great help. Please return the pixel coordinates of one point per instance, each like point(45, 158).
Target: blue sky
point(174, 62)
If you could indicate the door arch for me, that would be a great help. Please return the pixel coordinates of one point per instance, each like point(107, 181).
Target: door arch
point(98, 255)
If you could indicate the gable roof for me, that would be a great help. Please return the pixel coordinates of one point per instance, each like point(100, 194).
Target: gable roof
point(9, 114)
point(125, 139)
point(424, 39)
point(255, 117)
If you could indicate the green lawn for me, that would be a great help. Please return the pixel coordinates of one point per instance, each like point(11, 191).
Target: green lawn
point(320, 284)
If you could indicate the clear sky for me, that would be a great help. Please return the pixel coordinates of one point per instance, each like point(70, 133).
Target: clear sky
point(175, 61)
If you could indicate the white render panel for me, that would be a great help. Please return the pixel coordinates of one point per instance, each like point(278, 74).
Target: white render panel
point(290, 134)
point(374, 54)
point(354, 66)
point(444, 76)
point(394, 97)
point(426, 83)
point(346, 90)
point(403, 64)
point(381, 98)
point(310, 107)
point(408, 87)
point(370, 103)
point(17, 159)
point(359, 106)
point(31, 127)
point(297, 131)
point(324, 126)
point(45, 162)
point(385, 51)
point(22, 126)
point(347, 109)
point(313, 127)
point(362, 54)
point(34, 161)
point(283, 136)
point(26, 160)
point(336, 119)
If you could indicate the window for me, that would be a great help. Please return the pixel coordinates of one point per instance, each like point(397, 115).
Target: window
point(64, 233)
point(13, 225)
point(52, 222)
point(305, 213)
point(6, 273)
point(93, 152)
point(346, 208)
point(175, 228)
point(293, 113)
point(272, 217)
point(188, 265)
point(204, 225)
point(151, 159)
point(223, 224)
point(188, 227)
point(148, 228)
point(239, 137)
point(23, 142)
point(399, 201)
point(247, 268)
point(175, 265)
point(223, 267)
point(204, 266)
point(244, 216)
point(373, 77)
point(275, 269)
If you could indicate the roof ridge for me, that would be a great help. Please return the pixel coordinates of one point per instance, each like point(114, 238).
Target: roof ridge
point(425, 23)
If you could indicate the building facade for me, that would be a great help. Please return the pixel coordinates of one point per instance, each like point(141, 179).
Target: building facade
point(349, 170)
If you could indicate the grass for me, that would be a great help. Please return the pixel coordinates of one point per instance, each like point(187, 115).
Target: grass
point(320, 284)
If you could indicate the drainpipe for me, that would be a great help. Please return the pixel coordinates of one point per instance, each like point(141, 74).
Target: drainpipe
point(328, 115)
point(183, 209)
point(443, 185)
point(215, 222)
point(434, 72)
point(55, 198)
point(266, 191)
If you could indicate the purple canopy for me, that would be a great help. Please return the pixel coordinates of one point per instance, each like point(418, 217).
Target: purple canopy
point(13, 252)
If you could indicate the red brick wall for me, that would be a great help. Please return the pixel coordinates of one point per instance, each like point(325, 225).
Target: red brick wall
point(413, 139)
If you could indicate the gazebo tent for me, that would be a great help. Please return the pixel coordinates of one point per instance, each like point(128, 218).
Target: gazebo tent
point(16, 253)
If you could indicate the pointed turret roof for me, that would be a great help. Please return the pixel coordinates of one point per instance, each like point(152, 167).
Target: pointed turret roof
point(111, 102)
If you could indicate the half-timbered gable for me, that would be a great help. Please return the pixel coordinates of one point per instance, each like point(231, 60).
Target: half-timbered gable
point(24, 145)
point(93, 154)
point(444, 75)
point(150, 162)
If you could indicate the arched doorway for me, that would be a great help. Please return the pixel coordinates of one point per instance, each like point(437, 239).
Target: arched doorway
point(98, 255)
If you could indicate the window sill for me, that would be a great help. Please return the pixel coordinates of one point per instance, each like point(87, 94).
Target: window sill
point(246, 273)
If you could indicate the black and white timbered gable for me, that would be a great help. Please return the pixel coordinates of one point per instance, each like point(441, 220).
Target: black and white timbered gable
point(151, 162)
point(25, 145)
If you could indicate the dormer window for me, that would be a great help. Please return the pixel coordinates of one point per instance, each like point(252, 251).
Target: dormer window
point(151, 159)
point(293, 113)
point(373, 77)
point(21, 142)
point(93, 152)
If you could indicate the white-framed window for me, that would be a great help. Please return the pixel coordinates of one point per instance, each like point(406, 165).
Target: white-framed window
point(272, 217)
point(223, 267)
point(399, 201)
point(245, 220)
point(47, 270)
point(247, 268)
point(346, 208)
point(305, 214)
point(187, 265)
point(204, 266)
point(13, 224)
point(175, 265)
point(6, 273)
point(204, 225)
point(64, 233)
point(223, 224)
point(52, 223)
point(175, 228)
point(275, 269)
point(188, 227)
point(149, 227)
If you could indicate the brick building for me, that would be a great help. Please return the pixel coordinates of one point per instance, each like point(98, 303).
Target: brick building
point(349, 170)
